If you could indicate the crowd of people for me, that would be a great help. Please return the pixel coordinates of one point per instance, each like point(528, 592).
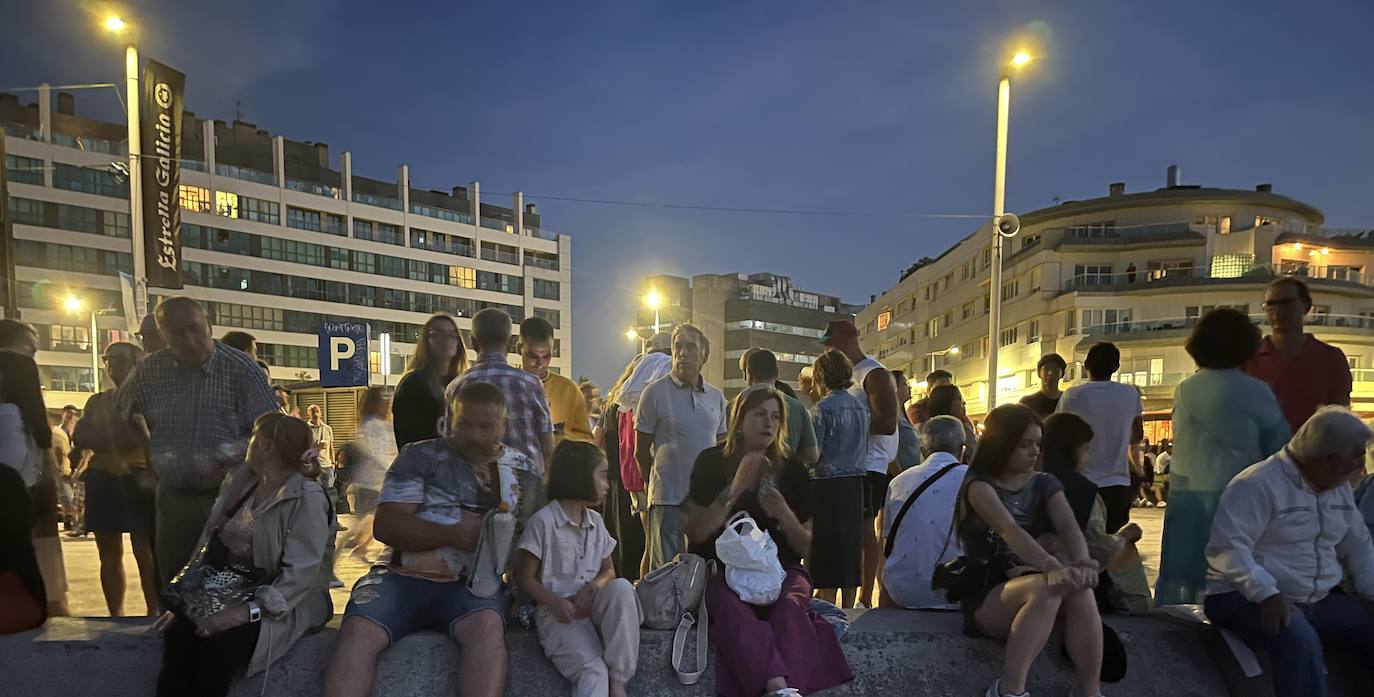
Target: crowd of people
point(867, 496)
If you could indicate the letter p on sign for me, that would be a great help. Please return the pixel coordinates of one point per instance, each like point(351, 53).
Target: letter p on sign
point(341, 348)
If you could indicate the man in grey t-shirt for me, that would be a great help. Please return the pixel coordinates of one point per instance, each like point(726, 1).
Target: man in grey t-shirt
point(678, 417)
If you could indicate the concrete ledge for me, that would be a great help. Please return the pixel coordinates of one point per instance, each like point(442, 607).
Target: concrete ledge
point(891, 652)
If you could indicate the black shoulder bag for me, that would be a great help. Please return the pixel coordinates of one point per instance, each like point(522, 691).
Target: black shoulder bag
point(892, 532)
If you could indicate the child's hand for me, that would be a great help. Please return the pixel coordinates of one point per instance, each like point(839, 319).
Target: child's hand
point(563, 611)
point(585, 599)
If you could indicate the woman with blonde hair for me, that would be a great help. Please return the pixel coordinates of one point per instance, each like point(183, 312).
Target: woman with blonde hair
point(783, 649)
point(418, 405)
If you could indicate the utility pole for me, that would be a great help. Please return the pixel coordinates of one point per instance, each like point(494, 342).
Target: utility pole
point(10, 285)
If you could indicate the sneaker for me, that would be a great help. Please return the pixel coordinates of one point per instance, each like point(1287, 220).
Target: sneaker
point(1161, 504)
point(996, 691)
point(785, 692)
point(336, 583)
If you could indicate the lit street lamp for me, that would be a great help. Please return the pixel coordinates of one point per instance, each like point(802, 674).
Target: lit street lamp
point(655, 301)
point(633, 335)
point(116, 25)
point(952, 350)
point(76, 306)
point(1020, 60)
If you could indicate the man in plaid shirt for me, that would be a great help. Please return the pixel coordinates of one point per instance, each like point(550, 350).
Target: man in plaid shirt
point(529, 425)
point(199, 399)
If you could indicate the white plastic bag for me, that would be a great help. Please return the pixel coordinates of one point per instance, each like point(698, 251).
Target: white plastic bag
point(750, 556)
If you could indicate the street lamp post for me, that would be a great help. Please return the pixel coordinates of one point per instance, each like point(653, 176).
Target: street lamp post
point(74, 305)
point(116, 25)
point(952, 350)
point(999, 186)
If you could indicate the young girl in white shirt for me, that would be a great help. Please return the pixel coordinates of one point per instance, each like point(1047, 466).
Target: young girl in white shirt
point(588, 619)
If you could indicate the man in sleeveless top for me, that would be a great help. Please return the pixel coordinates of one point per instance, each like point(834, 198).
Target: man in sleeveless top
point(873, 385)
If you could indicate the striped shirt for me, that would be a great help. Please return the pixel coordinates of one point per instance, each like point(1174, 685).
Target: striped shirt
point(199, 419)
point(527, 407)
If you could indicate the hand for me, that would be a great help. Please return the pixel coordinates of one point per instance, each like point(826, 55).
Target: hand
point(466, 531)
point(747, 475)
point(221, 621)
point(1088, 564)
point(1083, 577)
point(1275, 613)
point(164, 621)
point(564, 611)
point(775, 505)
point(1130, 532)
point(586, 599)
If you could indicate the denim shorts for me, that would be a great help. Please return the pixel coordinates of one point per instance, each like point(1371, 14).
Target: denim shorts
point(402, 605)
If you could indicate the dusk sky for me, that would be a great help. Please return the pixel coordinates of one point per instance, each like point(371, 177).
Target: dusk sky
point(882, 111)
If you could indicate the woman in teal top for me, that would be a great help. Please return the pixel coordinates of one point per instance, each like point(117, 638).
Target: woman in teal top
point(1224, 421)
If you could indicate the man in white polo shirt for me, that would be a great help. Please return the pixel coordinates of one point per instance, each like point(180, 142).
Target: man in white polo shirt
point(678, 417)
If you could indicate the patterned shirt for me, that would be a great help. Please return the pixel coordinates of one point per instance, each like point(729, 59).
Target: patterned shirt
point(527, 407)
point(443, 485)
point(199, 419)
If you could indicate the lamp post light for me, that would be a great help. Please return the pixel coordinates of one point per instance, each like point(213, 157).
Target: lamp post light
point(1002, 224)
point(116, 25)
point(76, 306)
point(385, 340)
point(655, 301)
point(952, 350)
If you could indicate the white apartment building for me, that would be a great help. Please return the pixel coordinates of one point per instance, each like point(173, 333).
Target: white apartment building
point(1136, 269)
point(276, 239)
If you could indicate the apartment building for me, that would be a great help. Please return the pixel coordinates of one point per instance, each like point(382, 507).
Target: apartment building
point(278, 235)
point(742, 311)
point(1137, 269)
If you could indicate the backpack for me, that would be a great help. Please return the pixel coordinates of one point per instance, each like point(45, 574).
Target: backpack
point(673, 596)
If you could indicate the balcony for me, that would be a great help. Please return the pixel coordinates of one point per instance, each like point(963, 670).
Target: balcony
point(1154, 279)
point(541, 233)
point(502, 257)
point(19, 130)
point(494, 224)
point(541, 262)
point(309, 187)
point(1133, 234)
point(108, 147)
point(1178, 327)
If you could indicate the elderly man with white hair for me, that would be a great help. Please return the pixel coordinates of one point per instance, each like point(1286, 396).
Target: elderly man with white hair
point(1285, 535)
point(916, 518)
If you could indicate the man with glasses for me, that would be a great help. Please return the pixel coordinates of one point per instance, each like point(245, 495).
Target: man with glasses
point(1304, 372)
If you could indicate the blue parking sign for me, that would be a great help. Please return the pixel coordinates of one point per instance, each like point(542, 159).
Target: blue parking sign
point(343, 355)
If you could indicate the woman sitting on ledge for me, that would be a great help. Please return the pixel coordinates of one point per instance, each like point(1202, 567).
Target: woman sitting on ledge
point(274, 518)
point(782, 650)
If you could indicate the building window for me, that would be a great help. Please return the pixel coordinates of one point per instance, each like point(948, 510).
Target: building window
point(1035, 280)
point(115, 224)
point(227, 204)
point(260, 210)
point(88, 181)
point(987, 258)
point(462, 277)
point(1092, 274)
point(1033, 331)
point(552, 316)
point(302, 219)
point(1232, 265)
point(884, 319)
point(194, 198)
point(1099, 322)
point(547, 290)
point(24, 170)
point(25, 211)
point(1011, 289)
point(933, 327)
point(1097, 230)
point(1070, 323)
point(966, 310)
point(78, 219)
point(1007, 337)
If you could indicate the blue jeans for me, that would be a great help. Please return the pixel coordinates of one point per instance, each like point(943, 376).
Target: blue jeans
point(1295, 653)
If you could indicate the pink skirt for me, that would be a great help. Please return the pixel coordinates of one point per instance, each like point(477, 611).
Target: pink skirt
point(756, 644)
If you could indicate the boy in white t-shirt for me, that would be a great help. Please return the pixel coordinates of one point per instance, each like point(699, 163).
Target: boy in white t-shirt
point(1114, 410)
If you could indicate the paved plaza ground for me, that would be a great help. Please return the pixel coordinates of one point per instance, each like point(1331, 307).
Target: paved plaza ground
point(86, 600)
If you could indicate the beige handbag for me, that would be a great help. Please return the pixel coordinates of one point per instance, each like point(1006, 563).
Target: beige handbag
point(669, 596)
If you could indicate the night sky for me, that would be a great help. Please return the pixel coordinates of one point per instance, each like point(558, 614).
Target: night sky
point(881, 111)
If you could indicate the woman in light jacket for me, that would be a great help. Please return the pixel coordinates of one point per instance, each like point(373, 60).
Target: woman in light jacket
point(1224, 421)
point(273, 515)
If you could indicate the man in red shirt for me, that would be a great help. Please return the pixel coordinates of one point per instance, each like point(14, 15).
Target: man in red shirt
point(1304, 373)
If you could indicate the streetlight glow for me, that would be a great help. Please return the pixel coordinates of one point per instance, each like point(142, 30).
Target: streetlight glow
point(954, 350)
point(631, 334)
point(1021, 59)
point(73, 304)
point(114, 23)
point(653, 300)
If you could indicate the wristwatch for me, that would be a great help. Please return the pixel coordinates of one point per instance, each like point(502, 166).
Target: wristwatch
point(254, 612)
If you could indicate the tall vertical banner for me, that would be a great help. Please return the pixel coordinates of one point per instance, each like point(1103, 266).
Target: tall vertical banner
point(160, 135)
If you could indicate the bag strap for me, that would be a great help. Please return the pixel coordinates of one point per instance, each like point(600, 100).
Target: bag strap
point(702, 621)
point(892, 532)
